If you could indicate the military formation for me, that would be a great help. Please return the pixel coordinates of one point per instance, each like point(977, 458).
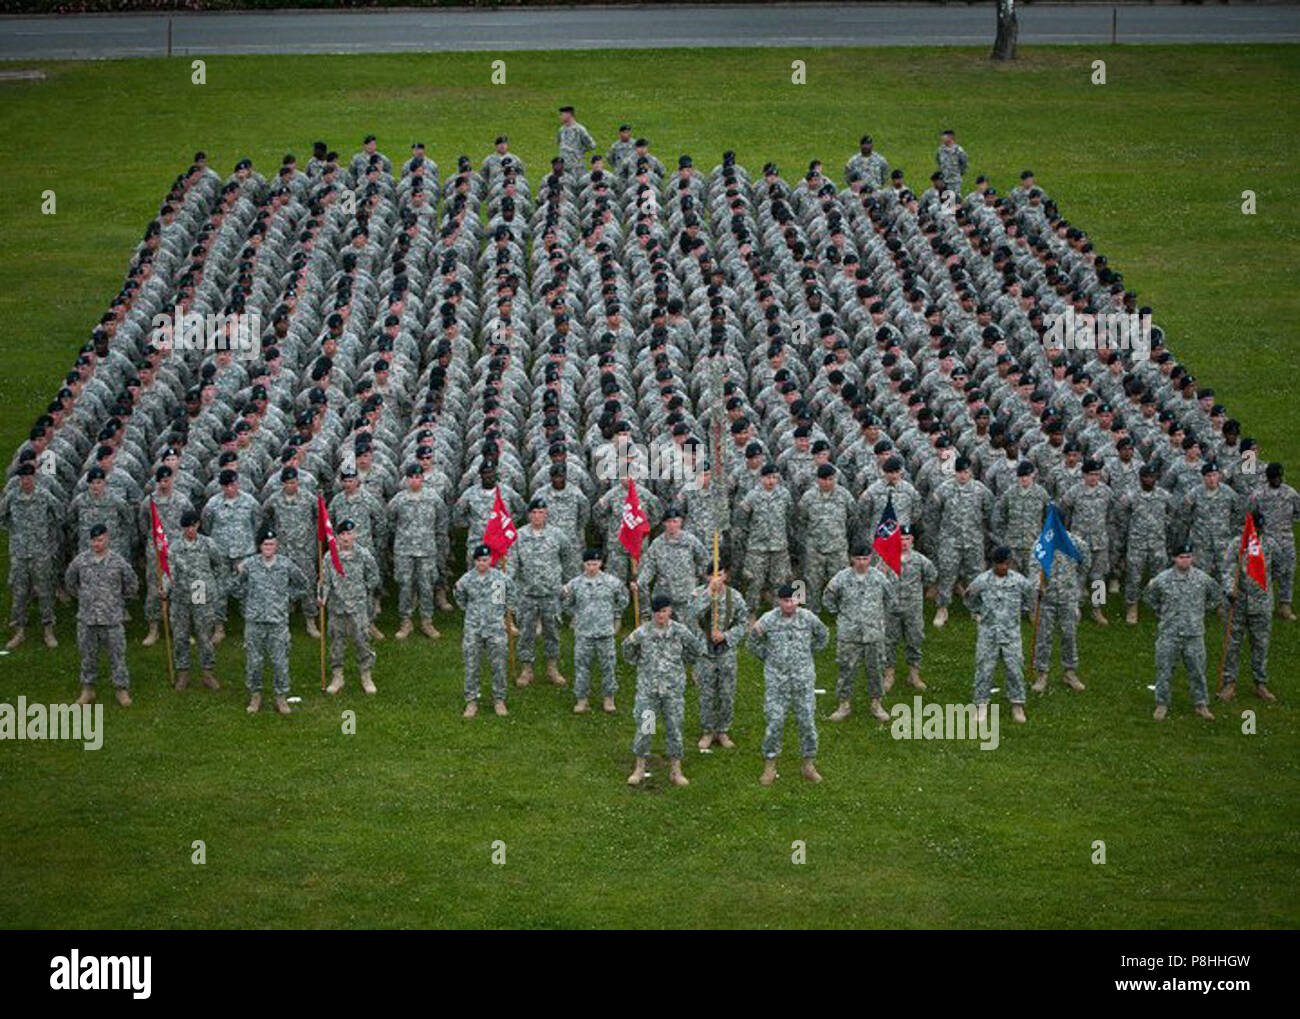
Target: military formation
point(783, 365)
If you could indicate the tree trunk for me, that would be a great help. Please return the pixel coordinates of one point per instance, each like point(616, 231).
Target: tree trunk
point(1004, 46)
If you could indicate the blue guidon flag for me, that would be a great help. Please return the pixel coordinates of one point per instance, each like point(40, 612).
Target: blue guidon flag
point(888, 541)
point(1053, 539)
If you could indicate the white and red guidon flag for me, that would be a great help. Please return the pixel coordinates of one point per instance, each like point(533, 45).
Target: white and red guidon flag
point(159, 538)
point(1253, 549)
point(325, 533)
point(635, 525)
point(499, 534)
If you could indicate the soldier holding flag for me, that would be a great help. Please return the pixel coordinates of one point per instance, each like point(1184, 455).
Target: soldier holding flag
point(346, 586)
point(1250, 609)
point(1057, 551)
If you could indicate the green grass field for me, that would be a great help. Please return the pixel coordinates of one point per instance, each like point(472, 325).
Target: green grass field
point(395, 825)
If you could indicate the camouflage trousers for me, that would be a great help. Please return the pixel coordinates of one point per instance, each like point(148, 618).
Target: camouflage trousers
point(1172, 648)
point(617, 561)
point(307, 563)
point(1208, 557)
point(784, 689)
point(93, 638)
point(602, 650)
point(474, 647)
point(530, 609)
point(1259, 626)
point(765, 568)
point(818, 568)
point(416, 578)
point(224, 584)
point(956, 562)
point(186, 618)
point(1022, 559)
point(1057, 613)
point(988, 652)
point(907, 626)
point(850, 655)
point(654, 709)
point(266, 643)
point(716, 675)
point(152, 594)
point(1099, 568)
point(348, 626)
point(31, 575)
point(1141, 560)
point(1283, 569)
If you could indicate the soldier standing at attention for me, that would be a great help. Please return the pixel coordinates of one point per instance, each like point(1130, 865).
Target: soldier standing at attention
point(1279, 505)
point(292, 513)
point(348, 599)
point(595, 600)
point(716, 669)
point(31, 515)
point(785, 639)
point(1181, 595)
point(196, 566)
point(485, 595)
point(860, 596)
point(172, 505)
point(418, 522)
point(1060, 603)
point(573, 140)
point(959, 510)
point(1252, 613)
point(767, 515)
point(952, 162)
point(825, 513)
point(672, 564)
point(905, 617)
point(267, 584)
point(231, 518)
point(1146, 511)
point(102, 582)
point(537, 567)
point(1018, 516)
point(660, 649)
point(996, 598)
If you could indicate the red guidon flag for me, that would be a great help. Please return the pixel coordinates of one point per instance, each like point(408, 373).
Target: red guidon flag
point(325, 533)
point(888, 541)
point(499, 534)
point(1253, 549)
point(635, 525)
point(159, 538)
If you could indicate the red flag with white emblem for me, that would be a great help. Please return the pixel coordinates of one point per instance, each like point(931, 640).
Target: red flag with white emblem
point(1253, 550)
point(635, 525)
point(325, 533)
point(159, 538)
point(499, 534)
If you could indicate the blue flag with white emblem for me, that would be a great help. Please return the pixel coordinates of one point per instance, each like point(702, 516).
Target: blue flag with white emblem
point(1053, 539)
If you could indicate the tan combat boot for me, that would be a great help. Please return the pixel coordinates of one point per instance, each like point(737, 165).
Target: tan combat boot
point(675, 775)
point(941, 616)
point(725, 741)
point(210, 680)
point(1040, 684)
point(87, 695)
point(889, 678)
point(581, 707)
point(914, 679)
point(769, 772)
point(638, 772)
point(254, 704)
point(1072, 681)
point(367, 682)
point(706, 741)
point(312, 631)
point(878, 712)
point(525, 676)
point(553, 672)
point(218, 634)
point(1131, 614)
point(1204, 711)
point(609, 706)
point(500, 708)
point(375, 632)
point(1099, 617)
point(429, 630)
point(50, 639)
point(19, 636)
point(282, 704)
point(150, 638)
point(1018, 713)
point(1284, 610)
point(182, 680)
point(1228, 692)
point(123, 696)
point(440, 599)
point(1112, 586)
point(842, 712)
point(1264, 693)
point(471, 709)
point(336, 681)
point(1160, 712)
point(810, 770)
point(404, 630)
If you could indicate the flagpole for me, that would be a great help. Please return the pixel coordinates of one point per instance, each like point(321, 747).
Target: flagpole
point(1038, 607)
point(1227, 629)
point(510, 625)
point(636, 597)
point(167, 629)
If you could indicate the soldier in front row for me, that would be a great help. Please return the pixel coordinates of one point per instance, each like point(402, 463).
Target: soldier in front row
point(31, 514)
point(485, 596)
point(785, 640)
point(267, 584)
point(537, 567)
point(905, 618)
point(196, 568)
point(1252, 613)
point(660, 649)
point(996, 598)
point(1181, 595)
point(102, 582)
point(595, 600)
point(1058, 609)
point(715, 672)
point(347, 597)
point(861, 597)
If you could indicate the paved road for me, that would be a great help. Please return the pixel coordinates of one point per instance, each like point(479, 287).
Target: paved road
point(108, 36)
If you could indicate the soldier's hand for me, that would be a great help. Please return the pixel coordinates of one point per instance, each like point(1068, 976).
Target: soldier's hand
point(718, 636)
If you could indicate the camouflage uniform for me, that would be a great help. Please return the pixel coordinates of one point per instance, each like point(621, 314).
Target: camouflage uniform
point(715, 671)
point(767, 540)
point(170, 509)
point(295, 528)
point(1252, 613)
point(232, 525)
point(1058, 605)
point(1146, 550)
point(671, 567)
point(660, 655)
point(267, 589)
point(536, 563)
point(1213, 518)
point(1087, 513)
point(786, 646)
point(823, 522)
point(30, 518)
point(102, 585)
point(418, 523)
point(196, 567)
point(485, 599)
point(996, 603)
point(958, 513)
point(594, 604)
point(574, 142)
point(1279, 506)
point(1018, 520)
point(952, 162)
point(905, 618)
point(1181, 599)
point(347, 600)
point(861, 601)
